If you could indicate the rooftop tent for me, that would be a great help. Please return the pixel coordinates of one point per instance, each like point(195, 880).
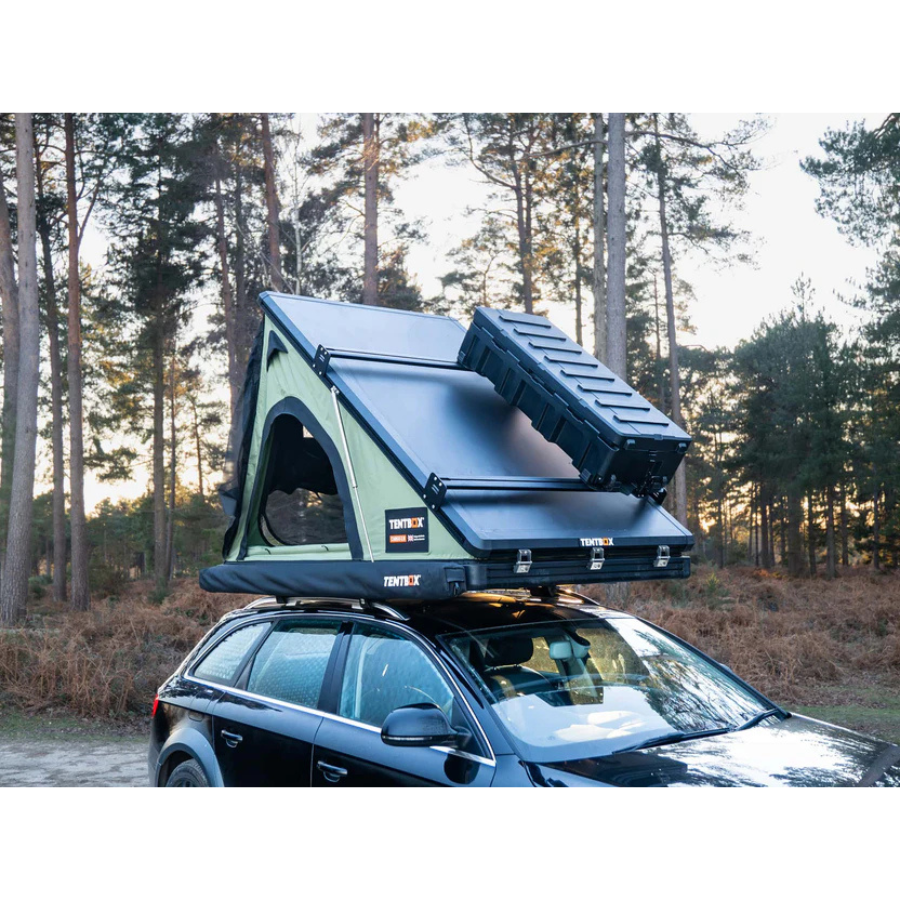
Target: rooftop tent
point(374, 463)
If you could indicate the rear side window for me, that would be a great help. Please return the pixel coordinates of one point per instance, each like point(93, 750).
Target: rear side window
point(290, 665)
point(221, 665)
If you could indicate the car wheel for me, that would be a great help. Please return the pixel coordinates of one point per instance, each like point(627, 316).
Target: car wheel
point(187, 774)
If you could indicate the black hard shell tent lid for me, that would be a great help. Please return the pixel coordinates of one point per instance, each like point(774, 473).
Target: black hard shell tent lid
point(413, 476)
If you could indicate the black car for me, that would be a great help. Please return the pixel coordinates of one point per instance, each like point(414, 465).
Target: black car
point(483, 690)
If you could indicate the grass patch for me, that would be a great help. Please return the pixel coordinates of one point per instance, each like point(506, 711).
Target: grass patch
point(16, 725)
point(880, 723)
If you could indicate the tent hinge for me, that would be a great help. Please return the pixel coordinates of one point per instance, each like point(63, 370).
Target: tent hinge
point(523, 562)
point(662, 557)
point(321, 362)
point(598, 557)
point(435, 492)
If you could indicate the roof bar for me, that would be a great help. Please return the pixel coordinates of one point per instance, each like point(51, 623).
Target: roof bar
point(438, 486)
point(324, 356)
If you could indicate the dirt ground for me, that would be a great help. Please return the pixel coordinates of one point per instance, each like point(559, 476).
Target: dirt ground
point(64, 752)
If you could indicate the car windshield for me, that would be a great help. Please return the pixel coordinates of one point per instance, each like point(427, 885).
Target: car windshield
point(569, 690)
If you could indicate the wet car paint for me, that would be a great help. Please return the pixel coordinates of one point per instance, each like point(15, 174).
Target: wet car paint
point(796, 752)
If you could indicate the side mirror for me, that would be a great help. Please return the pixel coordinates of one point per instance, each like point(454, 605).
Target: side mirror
point(418, 725)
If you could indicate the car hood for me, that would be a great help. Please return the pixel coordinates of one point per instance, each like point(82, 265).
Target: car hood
point(796, 751)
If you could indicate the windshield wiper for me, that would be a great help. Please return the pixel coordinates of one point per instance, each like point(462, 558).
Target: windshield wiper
point(674, 737)
point(758, 718)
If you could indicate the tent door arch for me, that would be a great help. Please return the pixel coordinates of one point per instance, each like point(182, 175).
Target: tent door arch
point(301, 497)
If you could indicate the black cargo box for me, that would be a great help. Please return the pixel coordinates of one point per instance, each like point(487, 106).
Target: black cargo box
point(617, 440)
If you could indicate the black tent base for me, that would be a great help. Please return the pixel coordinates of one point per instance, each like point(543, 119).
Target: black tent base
point(425, 580)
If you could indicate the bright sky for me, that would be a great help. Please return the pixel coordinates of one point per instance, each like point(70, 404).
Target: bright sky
point(792, 239)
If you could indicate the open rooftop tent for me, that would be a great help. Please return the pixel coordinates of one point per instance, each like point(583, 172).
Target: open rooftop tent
point(382, 458)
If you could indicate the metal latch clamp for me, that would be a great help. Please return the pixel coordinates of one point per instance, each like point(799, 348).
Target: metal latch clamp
point(523, 562)
point(598, 557)
point(662, 557)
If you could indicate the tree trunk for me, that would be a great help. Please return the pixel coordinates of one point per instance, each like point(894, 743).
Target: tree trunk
point(751, 531)
point(160, 567)
point(370, 228)
point(674, 374)
point(523, 231)
point(720, 521)
point(660, 379)
point(599, 242)
point(9, 292)
point(173, 473)
point(876, 529)
point(579, 327)
point(729, 536)
point(771, 531)
point(199, 445)
point(794, 541)
point(271, 206)
point(766, 559)
point(845, 529)
point(830, 554)
point(811, 533)
point(14, 591)
point(615, 304)
point(234, 375)
point(56, 404)
point(783, 530)
point(241, 317)
point(80, 551)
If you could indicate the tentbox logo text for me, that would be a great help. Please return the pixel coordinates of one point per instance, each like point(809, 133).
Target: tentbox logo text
point(596, 542)
point(406, 530)
point(401, 581)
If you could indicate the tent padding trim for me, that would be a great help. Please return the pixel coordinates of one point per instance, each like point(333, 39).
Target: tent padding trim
point(418, 579)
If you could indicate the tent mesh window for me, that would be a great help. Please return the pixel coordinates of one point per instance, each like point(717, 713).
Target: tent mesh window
point(300, 503)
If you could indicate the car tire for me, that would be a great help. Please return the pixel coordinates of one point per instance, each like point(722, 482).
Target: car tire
point(187, 774)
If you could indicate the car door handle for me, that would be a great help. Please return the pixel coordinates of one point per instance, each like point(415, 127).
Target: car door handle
point(230, 738)
point(331, 773)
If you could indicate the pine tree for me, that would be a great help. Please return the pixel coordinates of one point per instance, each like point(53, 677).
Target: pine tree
point(157, 258)
point(615, 241)
point(686, 173)
point(50, 214)
point(361, 157)
point(512, 152)
point(14, 589)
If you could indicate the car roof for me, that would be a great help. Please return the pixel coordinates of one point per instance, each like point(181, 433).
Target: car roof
point(468, 612)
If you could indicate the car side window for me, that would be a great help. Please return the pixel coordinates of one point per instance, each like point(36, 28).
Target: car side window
point(385, 671)
point(290, 666)
point(223, 662)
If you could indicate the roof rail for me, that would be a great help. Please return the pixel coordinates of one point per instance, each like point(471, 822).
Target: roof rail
point(565, 592)
point(312, 602)
point(551, 592)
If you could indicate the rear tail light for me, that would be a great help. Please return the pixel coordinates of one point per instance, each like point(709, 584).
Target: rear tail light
point(155, 706)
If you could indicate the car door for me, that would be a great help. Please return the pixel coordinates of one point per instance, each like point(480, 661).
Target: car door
point(264, 726)
point(381, 670)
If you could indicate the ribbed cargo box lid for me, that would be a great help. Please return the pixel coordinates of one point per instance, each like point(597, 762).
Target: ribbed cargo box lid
point(615, 438)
